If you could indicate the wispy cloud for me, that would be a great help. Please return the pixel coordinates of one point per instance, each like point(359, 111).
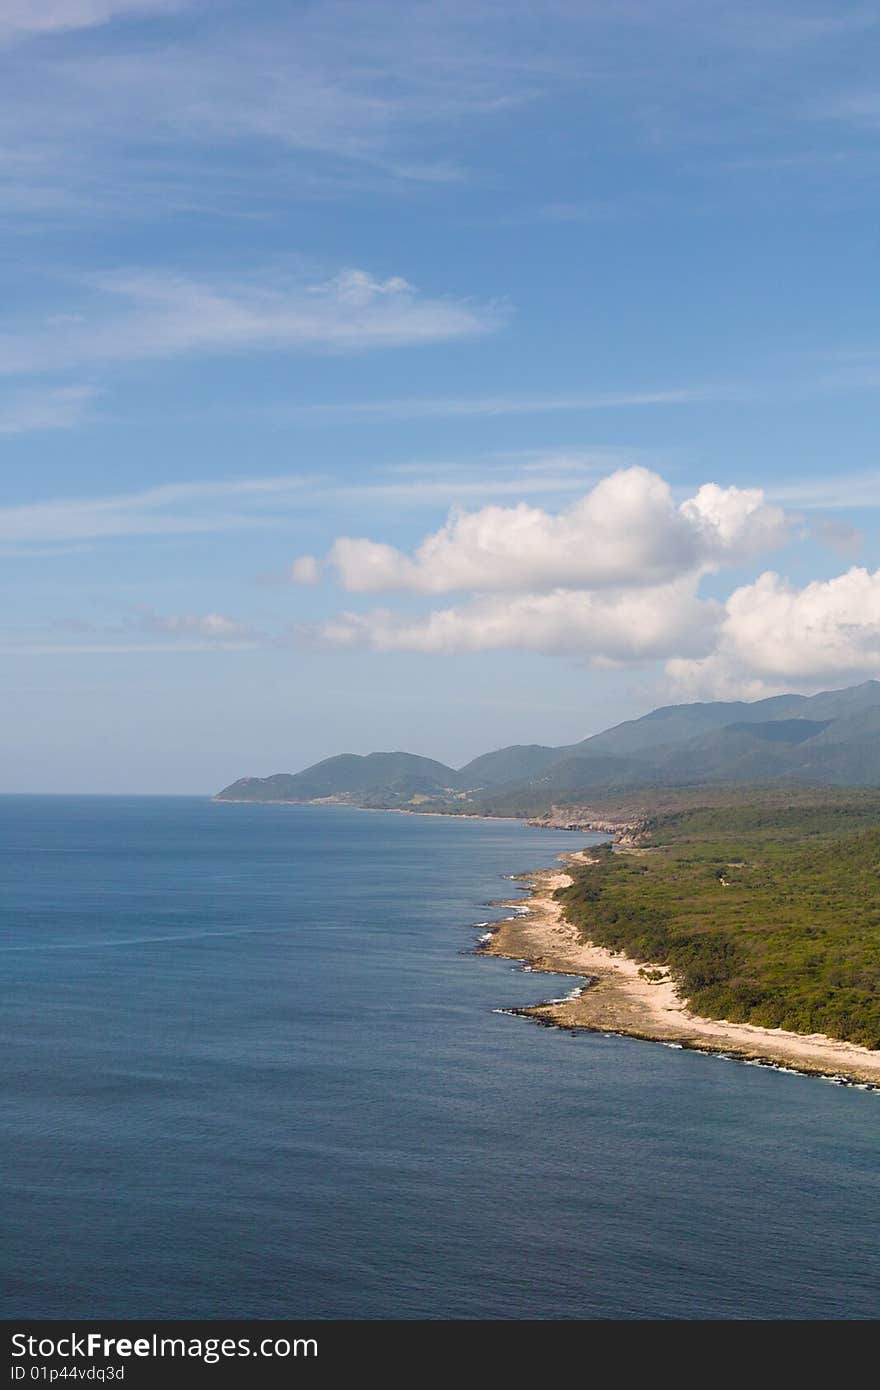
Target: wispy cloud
point(184, 632)
point(394, 91)
point(111, 648)
point(837, 492)
point(173, 509)
point(25, 18)
point(275, 502)
point(859, 107)
point(330, 90)
point(140, 315)
point(54, 408)
point(838, 536)
point(212, 627)
point(465, 407)
point(267, 503)
point(853, 370)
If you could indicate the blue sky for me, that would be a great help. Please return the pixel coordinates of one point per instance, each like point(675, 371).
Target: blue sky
point(433, 376)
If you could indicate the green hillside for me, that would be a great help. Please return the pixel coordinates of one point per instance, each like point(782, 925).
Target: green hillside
point(399, 776)
point(765, 915)
point(514, 764)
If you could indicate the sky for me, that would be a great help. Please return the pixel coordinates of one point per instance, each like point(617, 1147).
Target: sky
point(432, 376)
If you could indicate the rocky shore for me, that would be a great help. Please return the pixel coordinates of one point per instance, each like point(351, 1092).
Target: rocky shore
point(622, 996)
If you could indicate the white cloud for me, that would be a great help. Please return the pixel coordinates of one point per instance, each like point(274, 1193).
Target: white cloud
point(187, 632)
point(613, 578)
point(55, 408)
point(733, 522)
point(20, 18)
point(609, 628)
point(627, 531)
point(776, 637)
point(213, 627)
point(136, 315)
point(305, 570)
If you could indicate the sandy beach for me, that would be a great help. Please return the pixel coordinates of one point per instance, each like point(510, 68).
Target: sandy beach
point(620, 999)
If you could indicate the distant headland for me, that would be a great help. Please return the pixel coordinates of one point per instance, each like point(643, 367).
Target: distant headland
point(831, 739)
point(737, 909)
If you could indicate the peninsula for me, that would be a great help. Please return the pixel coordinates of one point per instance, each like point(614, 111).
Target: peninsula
point(738, 907)
point(628, 998)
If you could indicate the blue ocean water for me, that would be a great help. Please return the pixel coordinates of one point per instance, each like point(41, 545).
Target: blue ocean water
point(250, 1070)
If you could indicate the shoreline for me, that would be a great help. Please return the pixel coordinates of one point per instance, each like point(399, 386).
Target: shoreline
point(618, 997)
point(622, 831)
point(325, 803)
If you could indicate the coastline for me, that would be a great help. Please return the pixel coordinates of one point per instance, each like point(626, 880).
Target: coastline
point(334, 804)
point(619, 998)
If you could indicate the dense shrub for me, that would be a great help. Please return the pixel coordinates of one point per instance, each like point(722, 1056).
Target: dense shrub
point(762, 918)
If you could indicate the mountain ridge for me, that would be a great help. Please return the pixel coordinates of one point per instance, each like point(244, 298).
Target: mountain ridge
point(831, 738)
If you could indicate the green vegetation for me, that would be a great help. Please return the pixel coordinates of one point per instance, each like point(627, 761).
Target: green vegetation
point(386, 779)
point(765, 914)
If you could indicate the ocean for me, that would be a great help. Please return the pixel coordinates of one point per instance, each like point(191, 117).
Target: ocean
point(251, 1069)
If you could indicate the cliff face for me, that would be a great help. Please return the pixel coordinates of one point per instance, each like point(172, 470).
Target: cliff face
point(592, 819)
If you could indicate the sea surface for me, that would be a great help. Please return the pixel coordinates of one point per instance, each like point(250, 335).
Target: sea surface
point(250, 1069)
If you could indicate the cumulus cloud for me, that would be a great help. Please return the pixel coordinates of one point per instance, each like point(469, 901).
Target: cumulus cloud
point(733, 523)
point(613, 578)
point(626, 532)
point(776, 637)
point(608, 628)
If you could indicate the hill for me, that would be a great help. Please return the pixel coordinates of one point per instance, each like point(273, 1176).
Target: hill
point(829, 739)
point(764, 916)
point(348, 775)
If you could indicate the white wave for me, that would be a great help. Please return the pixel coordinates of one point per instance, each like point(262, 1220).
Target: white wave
point(567, 998)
